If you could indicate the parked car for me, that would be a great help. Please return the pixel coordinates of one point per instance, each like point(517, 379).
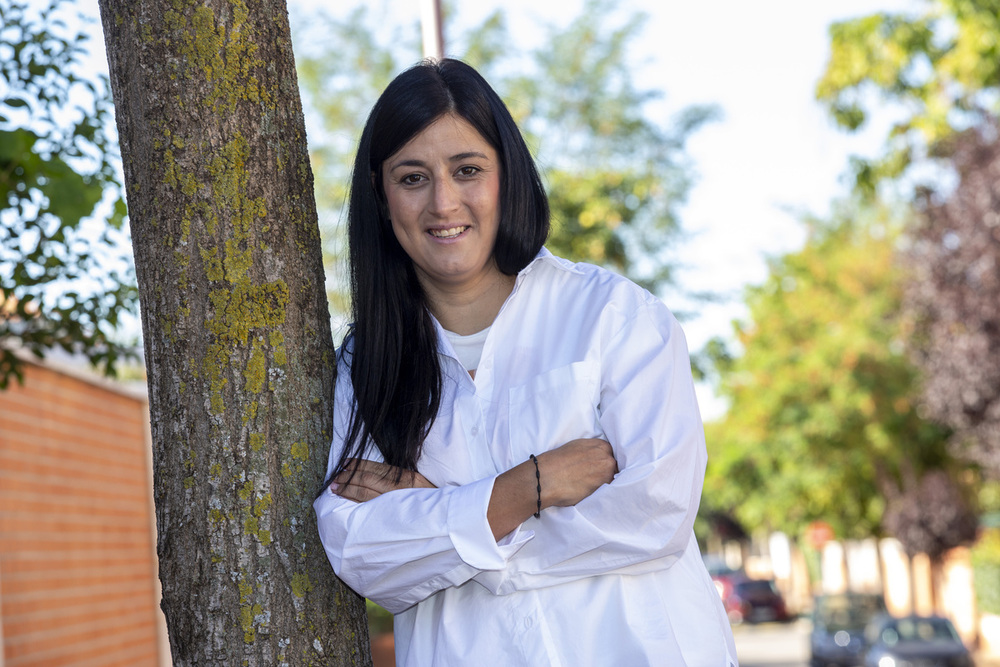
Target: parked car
point(917, 641)
point(750, 600)
point(838, 633)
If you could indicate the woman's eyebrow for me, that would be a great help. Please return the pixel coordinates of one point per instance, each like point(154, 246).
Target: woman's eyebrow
point(407, 163)
point(467, 155)
point(413, 162)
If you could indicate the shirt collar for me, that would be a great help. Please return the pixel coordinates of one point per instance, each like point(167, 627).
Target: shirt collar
point(544, 256)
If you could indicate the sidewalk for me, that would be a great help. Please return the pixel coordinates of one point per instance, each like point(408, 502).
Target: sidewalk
point(986, 659)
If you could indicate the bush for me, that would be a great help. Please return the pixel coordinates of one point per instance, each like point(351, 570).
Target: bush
point(379, 620)
point(986, 571)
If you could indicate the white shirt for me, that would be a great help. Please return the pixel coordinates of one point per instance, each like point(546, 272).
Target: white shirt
point(575, 351)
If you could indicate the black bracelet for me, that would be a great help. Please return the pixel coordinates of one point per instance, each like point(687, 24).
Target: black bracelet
point(538, 480)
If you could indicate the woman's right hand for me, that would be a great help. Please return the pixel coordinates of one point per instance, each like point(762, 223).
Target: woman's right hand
point(568, 474)
point(573, 471)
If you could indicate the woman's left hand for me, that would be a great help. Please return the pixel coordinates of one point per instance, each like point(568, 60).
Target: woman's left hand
point(370, 479)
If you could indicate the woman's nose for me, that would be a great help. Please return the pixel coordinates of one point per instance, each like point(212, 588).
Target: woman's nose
point(445, 197)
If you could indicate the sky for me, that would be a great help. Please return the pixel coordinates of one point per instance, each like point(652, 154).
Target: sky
point(773, 156)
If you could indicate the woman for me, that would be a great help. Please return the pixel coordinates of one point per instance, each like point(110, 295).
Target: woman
point(517, 456)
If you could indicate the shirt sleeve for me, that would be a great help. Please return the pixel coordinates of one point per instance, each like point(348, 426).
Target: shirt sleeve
point(405, 545)
point(643, 520)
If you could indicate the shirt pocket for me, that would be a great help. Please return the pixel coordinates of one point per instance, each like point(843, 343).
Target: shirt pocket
point(555, 407)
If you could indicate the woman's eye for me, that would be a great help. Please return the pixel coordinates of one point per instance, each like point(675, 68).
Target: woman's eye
point(411, 179)
point(468, 171)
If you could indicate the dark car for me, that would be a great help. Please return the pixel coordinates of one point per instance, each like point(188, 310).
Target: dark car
point(839, 621)
point(750, 600)
point(914, 641)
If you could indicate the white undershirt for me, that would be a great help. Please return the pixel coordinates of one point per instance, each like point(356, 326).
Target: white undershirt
point(468, 348)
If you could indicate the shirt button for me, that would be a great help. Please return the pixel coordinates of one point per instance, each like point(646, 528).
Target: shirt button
point(475, 431)
point(528, 622)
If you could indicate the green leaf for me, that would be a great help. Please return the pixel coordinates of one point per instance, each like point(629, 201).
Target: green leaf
point(52, 176)
point(15, 145)
point(71, 196)
point(933, 68)
point(119, 212)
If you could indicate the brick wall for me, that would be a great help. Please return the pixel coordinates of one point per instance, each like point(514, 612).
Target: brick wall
point(77, 559)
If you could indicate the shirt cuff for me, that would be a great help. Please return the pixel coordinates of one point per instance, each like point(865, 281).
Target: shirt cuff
point(470, 530)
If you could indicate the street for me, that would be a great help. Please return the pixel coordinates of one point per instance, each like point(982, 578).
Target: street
point(773, 644)
point(787, 645)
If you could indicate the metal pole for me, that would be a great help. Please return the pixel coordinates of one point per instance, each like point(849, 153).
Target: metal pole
point(431, 30)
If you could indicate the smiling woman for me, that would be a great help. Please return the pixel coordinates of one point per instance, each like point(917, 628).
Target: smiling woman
point(517, 455)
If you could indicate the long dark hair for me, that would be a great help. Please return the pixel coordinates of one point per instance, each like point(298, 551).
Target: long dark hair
point(392, 345)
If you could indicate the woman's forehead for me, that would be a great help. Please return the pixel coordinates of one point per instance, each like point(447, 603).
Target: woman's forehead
point(449, 137)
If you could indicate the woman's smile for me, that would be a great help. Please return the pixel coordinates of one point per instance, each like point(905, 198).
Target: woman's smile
point(451, 233)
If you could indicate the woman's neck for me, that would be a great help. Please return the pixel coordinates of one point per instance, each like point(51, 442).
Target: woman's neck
point(468, 308)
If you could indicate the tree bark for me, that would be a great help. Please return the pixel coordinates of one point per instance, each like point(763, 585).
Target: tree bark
point(236, 330)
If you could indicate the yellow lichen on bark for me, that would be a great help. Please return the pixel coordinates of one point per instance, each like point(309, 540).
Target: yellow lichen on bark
point(301, 585)
point(256, 370)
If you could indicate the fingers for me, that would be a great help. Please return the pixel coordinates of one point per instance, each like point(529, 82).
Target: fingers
point(366, 467)
point(597, 455)
point(418, 481)
point(575, 470)
point(364, 480)
point(355, 492)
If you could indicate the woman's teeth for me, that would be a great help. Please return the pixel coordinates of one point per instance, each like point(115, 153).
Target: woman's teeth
point(447, 233)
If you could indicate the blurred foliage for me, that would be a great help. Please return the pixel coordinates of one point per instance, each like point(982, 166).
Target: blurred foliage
point(933, 517)
point(615, 178)
point(954, 297)
point(989, 498)
point(986, 571)
point(938, 71)
point(822, 421)
point(379, 620)
point(56, 169)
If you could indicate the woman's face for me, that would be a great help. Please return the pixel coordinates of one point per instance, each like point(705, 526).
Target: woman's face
point(443, 193)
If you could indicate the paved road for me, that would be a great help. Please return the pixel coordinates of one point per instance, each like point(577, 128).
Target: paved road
point(787, 645)
point(773, 644)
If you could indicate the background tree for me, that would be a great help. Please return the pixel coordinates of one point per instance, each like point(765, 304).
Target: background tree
point(954, 295)
point(236, 330)
point(932, 517)
point(939, 72)
point(822, 420)
point(615, 177)
point(936, 72)
point(58, 287)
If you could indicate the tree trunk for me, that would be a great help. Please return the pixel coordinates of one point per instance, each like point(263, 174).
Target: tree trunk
point(237, 336)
